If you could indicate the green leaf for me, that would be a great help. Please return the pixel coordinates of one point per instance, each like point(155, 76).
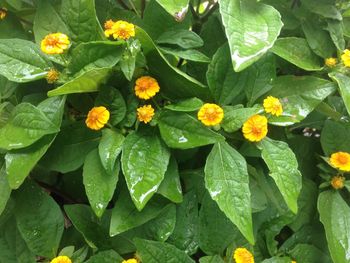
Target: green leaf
point(5, 190)
point(283, 167)
point(234, 117)
point(324, 8)
point(336, 31)
point(183, 38)
point(216, 231)
point(176, 8)
point(80, 17)
point(95, 55)
point(109, 149)
point(299, 97)
point(211, 259)
point(190, 54)
point(244, 21)
point(11, 27)
point(26, 125)
point(343, 82)
point(107, 256)
point(87, 82)
point(22, 61)
point(308, 254)
point(99, 185)
point(70, 148)
point(186, 105)
point(277, 260)
point(125, 216)
point(171, 185)
point(297, 51)
point(186, 232)
point(19, 163)
point(227, 180)
point(335, 217)
point(152, 251)
point(144, 162)
point(39, 220)
point(334, 137)
point(173, 82)
point(127, 65)
point(113, 100)
point(182, 131)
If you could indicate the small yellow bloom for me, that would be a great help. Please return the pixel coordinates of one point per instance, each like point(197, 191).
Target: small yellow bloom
point(132, 260)
point(330, 62)
point(3, 13)
point(97, 118)
point(55, 43)
point(273, 105)
point(61, 259)
point(120, 29)
point(210, 114)
point(293, 261)
point(346, 57)
point(255, 128)
point(146, 87)
point(242, 255)
point(341, 160)
point(145, 113)
point(338, 182)
point(52, 76)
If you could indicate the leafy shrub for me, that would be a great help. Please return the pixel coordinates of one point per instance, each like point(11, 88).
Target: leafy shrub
point(174, 131)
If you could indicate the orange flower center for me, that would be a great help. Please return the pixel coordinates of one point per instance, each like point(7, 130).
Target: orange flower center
point(94, 116)
point(342, 159)
point(256, 130)
point(51, 40)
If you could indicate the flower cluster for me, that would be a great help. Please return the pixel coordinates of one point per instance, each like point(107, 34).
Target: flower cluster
point(242, 255)
point(97, 118)
point(346, 58)
point(55, 43)
point(210, 114)
point(131, 260)
point(61, 259)
point(119, 29)
point(341, 161)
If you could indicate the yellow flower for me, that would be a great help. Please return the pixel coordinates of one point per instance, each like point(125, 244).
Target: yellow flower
point(337, 182)
point(132, 260)
point(3, 13)
point(52, 76)
point(210, 114)
point(330, 62)
point(273, 105)
point(55, 43)
point(145, 113)
point(61, 259)
point(293, 261)
point(146, 87)
point(120, 29)
point(346, 57)
point(242, 255)
point(341, 160)
point(97, 118)
point(255, 128)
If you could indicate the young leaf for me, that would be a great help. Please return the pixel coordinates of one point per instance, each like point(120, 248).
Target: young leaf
point(343, 82)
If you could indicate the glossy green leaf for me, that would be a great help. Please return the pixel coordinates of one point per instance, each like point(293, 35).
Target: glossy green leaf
point(182, 131)
point(125, 215)
point(190, 54)
point(299, 96)
point(87, 82)
point(183, 38)
point(334, 137)
point(343, 82)
point(5, 189)
point(186, 232)
point(153, 251)
point(171, 185)
point(234, 117)
point(173, 82)
point(211, 259)
point(22, 61)
point(107, 256)
point(11, 27)
point(244, 22)
point(186, 105)
point(277, 260)
point(42, 229)
point(227, 180)
point(95, 55)
point(324, 8)
point(335, 217)
point(297, 51)
point(27, 124)
point(336, 32)
point(109, 149)
point(19, 163)
point(283, 167)
point(80, 17)
point(99, 185)
point(308, 254)
point(144, 162)
point(176, 8)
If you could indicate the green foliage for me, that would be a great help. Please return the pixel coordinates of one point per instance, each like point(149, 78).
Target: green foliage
point(174, 183)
